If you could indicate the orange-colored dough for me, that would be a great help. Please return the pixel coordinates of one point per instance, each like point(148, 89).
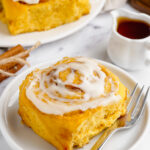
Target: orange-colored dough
point(74, 128)
point(46, 15)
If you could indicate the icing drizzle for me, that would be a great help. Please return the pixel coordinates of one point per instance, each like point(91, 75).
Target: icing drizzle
point(52, 94)
point(28, 1)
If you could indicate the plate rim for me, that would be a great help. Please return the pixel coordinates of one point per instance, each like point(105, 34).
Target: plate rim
point(68, 33)
point(15, 146)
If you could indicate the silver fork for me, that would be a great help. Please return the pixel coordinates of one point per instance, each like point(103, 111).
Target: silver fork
point(134, 112)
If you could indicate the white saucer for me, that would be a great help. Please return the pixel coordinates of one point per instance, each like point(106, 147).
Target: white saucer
point(29, 39)
point(20, 137)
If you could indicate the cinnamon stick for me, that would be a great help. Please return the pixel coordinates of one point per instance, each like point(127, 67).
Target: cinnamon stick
point(12, 67)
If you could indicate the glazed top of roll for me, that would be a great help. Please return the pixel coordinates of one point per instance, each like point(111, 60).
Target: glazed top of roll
point(28, 1)
point(72, 84)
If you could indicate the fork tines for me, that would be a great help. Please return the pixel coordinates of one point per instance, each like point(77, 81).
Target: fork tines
point(137, 102)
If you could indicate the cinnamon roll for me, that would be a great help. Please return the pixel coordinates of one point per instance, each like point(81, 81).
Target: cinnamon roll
point(71, 101)
point(23, 16)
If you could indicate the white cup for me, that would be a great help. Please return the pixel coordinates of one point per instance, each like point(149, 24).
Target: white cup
point(128, 53)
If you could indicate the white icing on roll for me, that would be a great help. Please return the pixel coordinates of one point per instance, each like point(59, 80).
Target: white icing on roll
point(28, 1)
point(51, 85)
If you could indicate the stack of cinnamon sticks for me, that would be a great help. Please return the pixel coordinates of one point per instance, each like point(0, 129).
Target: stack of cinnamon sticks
point(11, 67)
point(13, 60)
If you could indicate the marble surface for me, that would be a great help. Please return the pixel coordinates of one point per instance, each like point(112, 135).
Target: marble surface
point(90, 41)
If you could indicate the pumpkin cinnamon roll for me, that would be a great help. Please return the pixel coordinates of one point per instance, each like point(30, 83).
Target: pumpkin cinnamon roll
point(71, 101)
point(23, 16)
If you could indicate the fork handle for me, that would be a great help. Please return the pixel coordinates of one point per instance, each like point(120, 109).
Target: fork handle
point(106, 135)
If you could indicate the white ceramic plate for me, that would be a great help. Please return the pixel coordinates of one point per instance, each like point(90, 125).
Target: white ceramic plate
point(29, 39)
point(20, 137)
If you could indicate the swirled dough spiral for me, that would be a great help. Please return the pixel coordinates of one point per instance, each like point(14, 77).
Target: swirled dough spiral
point(72, 84)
